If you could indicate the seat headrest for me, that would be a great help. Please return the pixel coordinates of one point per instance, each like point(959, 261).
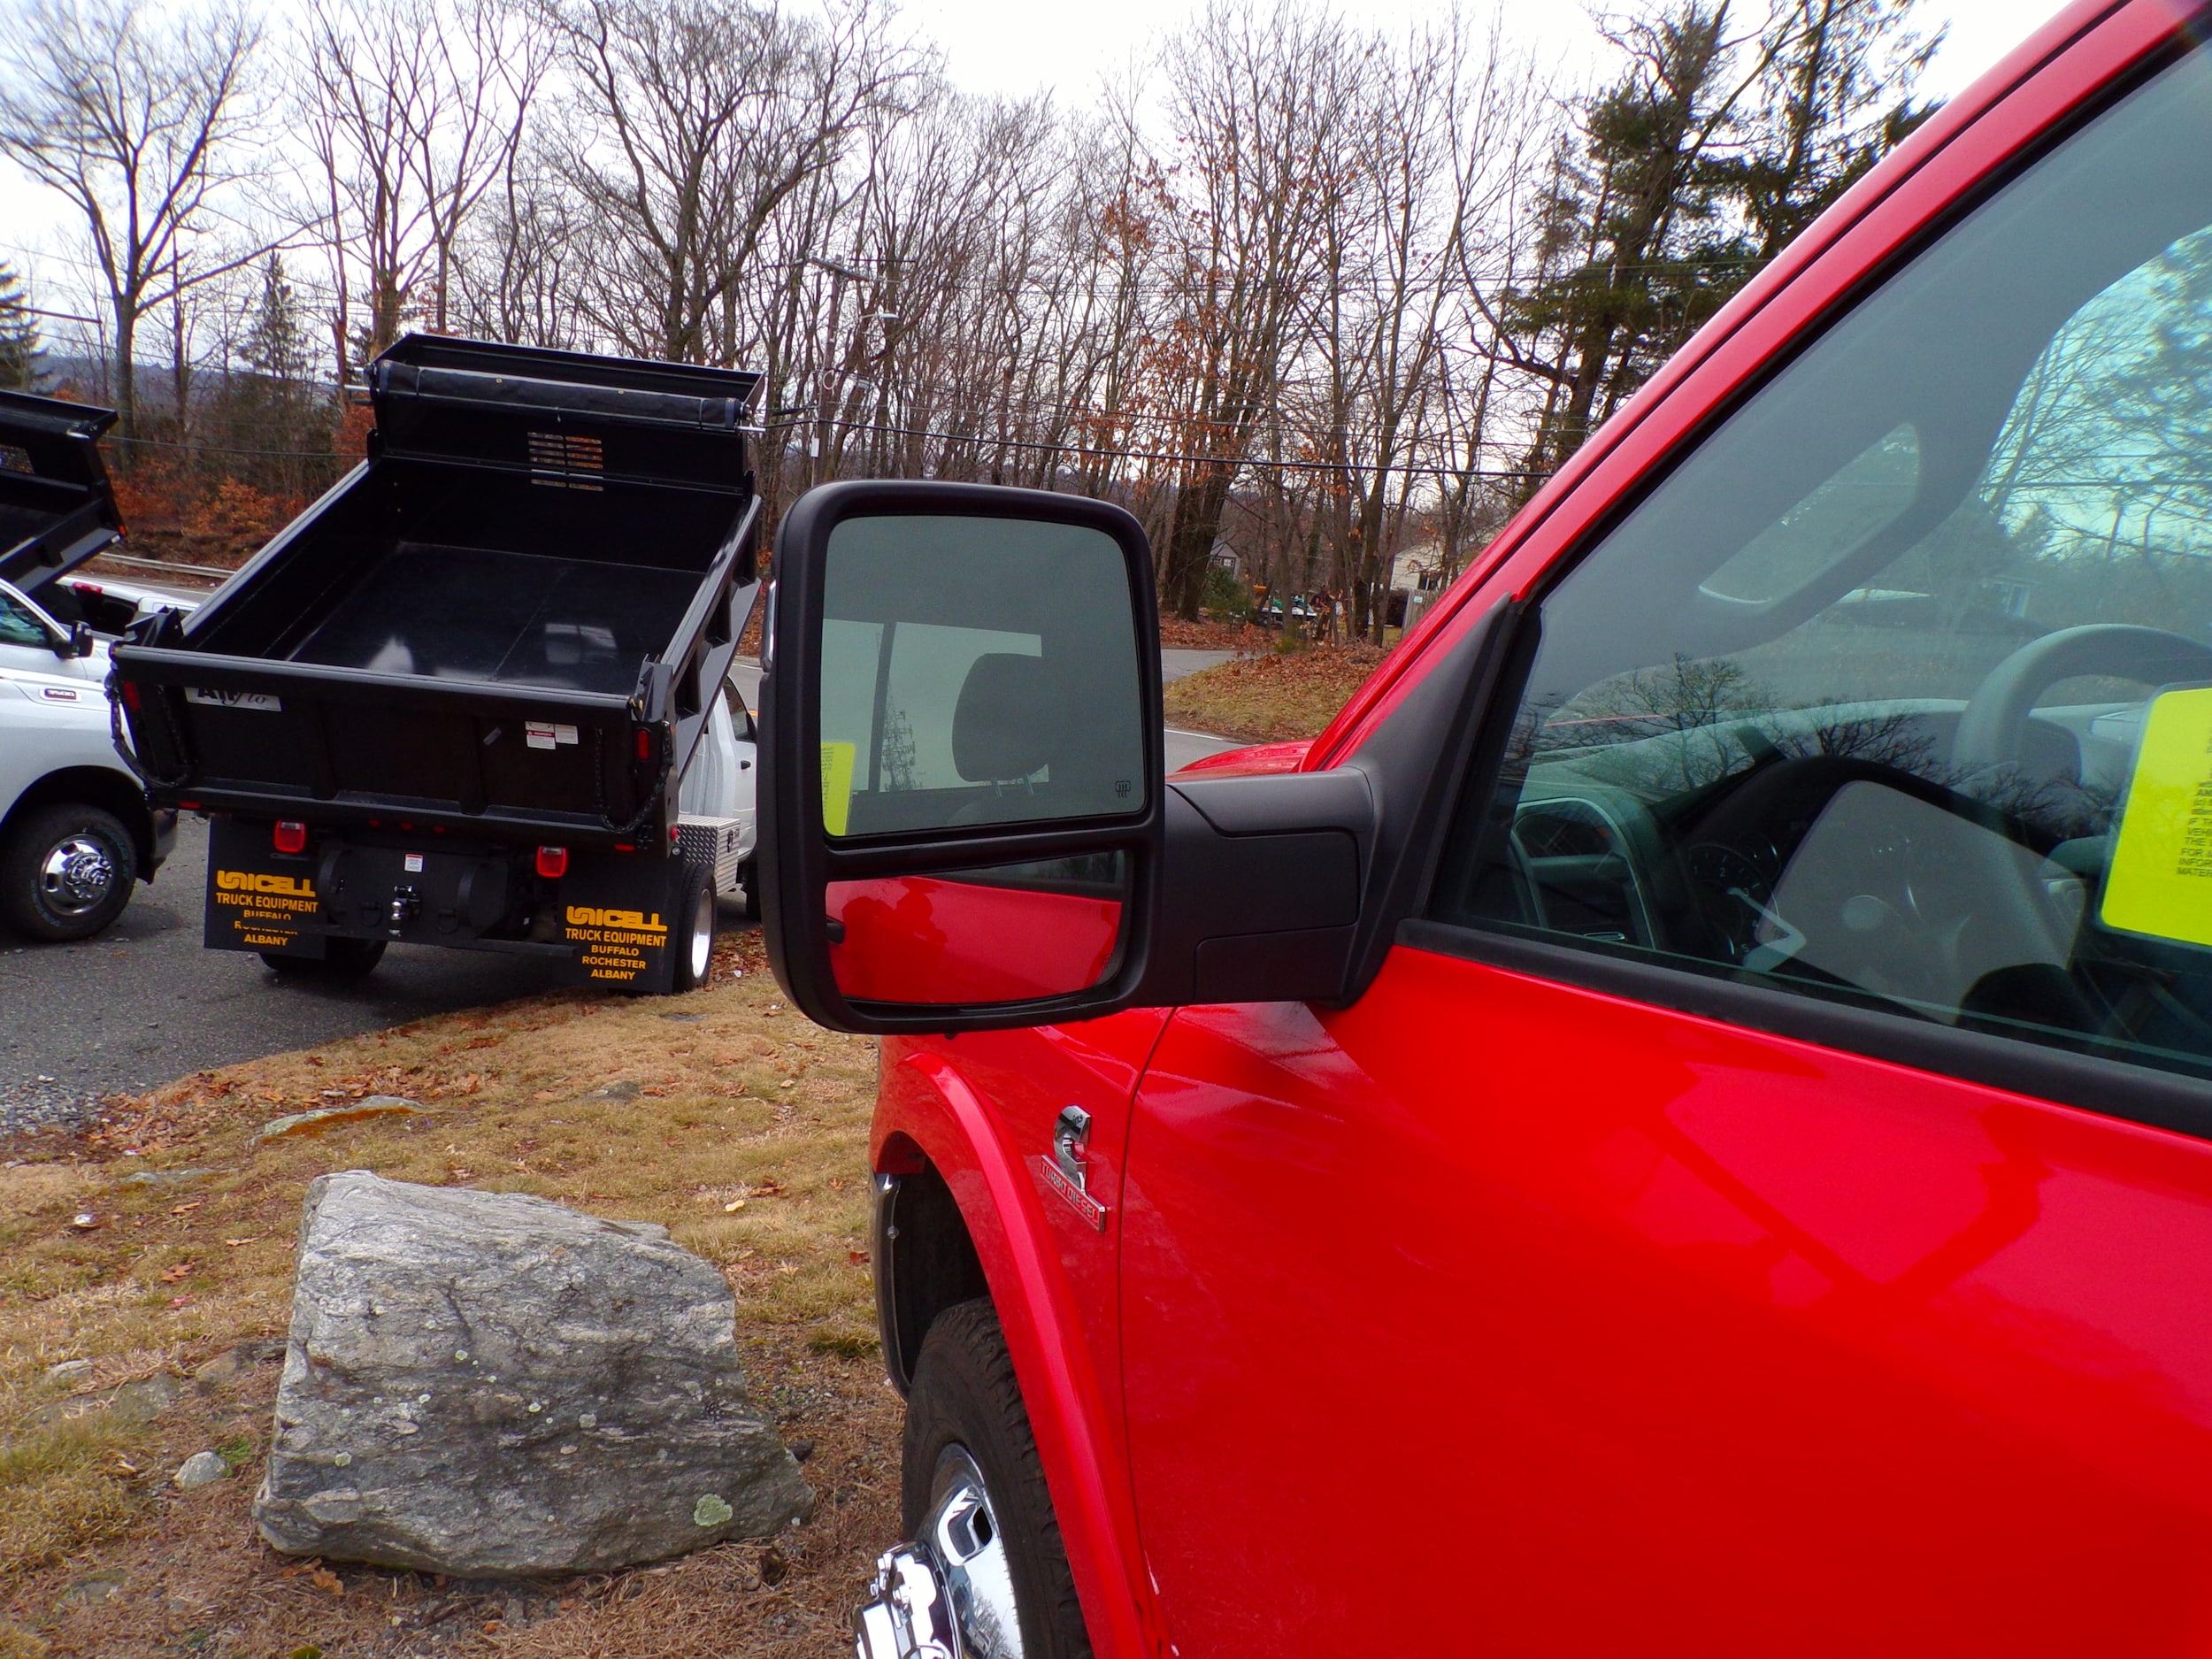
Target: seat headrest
point(1005, 724)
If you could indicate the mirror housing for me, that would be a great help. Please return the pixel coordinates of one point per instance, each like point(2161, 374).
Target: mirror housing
point(1231, 888)
point(79, 643)
point(869, 819)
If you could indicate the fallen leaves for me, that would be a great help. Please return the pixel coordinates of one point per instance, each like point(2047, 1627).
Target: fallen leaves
point(1272, 698)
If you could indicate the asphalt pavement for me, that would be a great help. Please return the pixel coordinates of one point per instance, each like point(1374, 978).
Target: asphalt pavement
point(146, 1004)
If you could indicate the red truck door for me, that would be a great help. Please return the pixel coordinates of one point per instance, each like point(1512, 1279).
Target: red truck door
point(1765, 1206)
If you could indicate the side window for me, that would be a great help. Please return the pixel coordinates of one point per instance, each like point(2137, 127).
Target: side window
point(1890, 693)
point(741, 717)
point(19, 624)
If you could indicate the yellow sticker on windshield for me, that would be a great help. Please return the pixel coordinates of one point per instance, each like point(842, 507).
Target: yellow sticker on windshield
point(837, 785)
point(2161, 880)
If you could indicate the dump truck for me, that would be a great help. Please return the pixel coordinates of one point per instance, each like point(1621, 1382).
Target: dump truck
point(456, 702)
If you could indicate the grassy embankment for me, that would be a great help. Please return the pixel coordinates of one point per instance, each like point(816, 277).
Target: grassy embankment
point(1274, 696)
point(720, 1114)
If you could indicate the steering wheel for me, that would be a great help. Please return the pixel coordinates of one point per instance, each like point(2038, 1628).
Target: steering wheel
point(1995, 720)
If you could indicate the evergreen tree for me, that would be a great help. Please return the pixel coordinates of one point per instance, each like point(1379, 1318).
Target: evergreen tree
point(19, 334)
point(273, 410)
point(1632, 252)
point(1835, 84)
point(1687, 175)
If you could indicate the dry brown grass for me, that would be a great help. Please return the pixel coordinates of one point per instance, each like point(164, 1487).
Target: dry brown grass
point(1274, 697)
point(735, 1098)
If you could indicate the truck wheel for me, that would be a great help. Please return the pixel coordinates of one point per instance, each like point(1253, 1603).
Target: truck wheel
point(694, 946)
point(66, 872)
point(749, 876)
point(342, 959)
point(974, 1493)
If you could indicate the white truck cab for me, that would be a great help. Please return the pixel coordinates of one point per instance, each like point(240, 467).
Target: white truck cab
point(75, 828)
point(715, 799)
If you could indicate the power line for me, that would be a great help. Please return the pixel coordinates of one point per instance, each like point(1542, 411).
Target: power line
point(1230, 463)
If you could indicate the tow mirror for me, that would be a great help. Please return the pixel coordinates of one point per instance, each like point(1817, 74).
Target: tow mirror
point(965, 822)
point(962, 756)
point(77, 643)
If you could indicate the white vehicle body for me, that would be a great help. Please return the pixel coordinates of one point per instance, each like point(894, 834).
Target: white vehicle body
point(715, 798)
point(57, 750)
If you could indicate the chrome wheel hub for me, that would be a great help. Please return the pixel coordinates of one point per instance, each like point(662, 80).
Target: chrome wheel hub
point(950, 1594)
point(702, 936)
point(76, 875)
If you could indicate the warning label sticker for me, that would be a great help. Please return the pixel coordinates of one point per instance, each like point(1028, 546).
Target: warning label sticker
point(539, 734)
point(261, 702)
point(837, 785)
point(2161, 879)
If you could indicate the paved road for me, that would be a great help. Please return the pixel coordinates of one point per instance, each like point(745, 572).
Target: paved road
point(145, 1003)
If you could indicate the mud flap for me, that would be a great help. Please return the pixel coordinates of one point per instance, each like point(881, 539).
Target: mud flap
point(620, 910)
point(258, 899)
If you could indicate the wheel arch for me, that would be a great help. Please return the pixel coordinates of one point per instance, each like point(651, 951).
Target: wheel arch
point(105, 787)
point(925, 1259)
point(936, 1139)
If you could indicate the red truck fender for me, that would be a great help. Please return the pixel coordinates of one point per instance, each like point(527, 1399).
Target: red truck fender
point(939, 1115)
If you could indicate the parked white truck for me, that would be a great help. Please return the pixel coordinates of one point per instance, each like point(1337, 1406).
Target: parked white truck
point(75, 827)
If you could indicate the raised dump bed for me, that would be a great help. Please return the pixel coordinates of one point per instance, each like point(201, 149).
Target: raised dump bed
point(57, 509)
point(507, 628)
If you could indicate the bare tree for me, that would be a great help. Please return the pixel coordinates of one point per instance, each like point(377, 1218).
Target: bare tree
point(692, 122)
point(415, 111)
point(135, 119)
point(1259, 102)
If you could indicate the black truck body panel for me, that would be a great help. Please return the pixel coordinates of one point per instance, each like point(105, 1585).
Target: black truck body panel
point(57, 507)
point(505, 629)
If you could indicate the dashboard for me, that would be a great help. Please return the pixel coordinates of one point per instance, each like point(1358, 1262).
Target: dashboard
point(1834, 844)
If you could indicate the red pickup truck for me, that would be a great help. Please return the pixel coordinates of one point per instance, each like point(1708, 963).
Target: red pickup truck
point(1680, 1124)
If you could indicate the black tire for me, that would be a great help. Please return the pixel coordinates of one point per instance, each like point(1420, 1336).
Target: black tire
point(694, 943)
point(66, 872)
point(749, 877)
point(964, 1396)
point(342, 959)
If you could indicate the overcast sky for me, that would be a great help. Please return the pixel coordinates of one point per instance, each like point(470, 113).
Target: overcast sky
point(1015, 47)
point(1066, 45)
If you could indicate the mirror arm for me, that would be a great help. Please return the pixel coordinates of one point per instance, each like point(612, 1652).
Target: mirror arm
point(1435, 745)
point(1261, 888)
point(1290, 886)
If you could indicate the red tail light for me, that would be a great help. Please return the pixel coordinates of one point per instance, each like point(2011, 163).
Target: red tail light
point(130, 696)
point(552, 863)
point(645, 746)
point(291, 837)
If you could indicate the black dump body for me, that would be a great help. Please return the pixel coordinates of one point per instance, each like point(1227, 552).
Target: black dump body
point(57, 509)
point(509, 622)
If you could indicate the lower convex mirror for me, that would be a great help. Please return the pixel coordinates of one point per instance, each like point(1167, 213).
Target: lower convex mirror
point(962, 746)
point(1005, 933)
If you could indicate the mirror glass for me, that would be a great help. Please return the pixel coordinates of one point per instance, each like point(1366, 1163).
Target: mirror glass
point(976, 670)
point(1002, 934)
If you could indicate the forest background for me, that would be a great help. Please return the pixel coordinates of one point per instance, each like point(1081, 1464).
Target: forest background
point(1310, 298)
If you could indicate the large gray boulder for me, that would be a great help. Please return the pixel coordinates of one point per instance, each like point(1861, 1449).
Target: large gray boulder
point(490, 1384)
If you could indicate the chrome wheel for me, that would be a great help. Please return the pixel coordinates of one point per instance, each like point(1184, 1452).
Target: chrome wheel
point(701, 935)
point(76, 877)
point(962, 1531)
point(950, 1594)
